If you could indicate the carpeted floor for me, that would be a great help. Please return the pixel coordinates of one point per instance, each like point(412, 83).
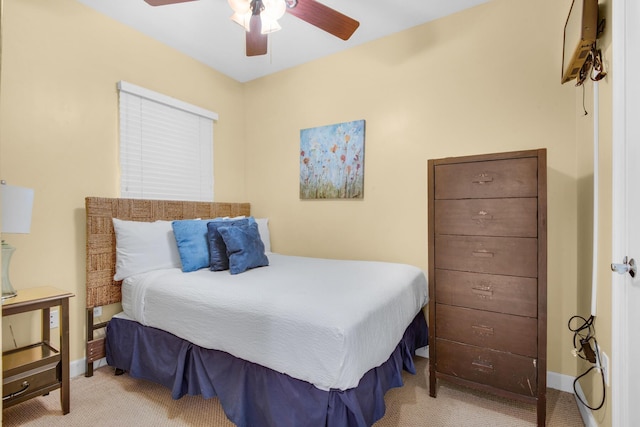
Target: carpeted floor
point(106, 400)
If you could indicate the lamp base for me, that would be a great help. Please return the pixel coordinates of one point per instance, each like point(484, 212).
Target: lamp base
point(7, 289)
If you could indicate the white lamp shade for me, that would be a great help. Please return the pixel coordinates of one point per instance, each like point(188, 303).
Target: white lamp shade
point(17, 205)
point(240, 6)
point(269, 25)
point(243, 19)
point(274, 8)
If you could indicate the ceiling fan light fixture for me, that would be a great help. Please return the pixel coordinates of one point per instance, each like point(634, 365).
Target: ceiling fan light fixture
point(271, 11)
point(240, 6)
point(274, 9)
point(242, 12)
point(242, 19)
point(269, 25)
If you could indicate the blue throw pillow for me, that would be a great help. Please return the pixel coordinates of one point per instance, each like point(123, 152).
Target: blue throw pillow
point(218, 258)
point(193, 246)
point(244, 247)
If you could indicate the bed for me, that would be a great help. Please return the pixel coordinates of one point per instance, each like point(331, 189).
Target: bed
point(295, 341)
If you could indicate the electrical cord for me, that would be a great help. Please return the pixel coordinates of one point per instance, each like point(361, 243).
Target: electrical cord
point(583, 334)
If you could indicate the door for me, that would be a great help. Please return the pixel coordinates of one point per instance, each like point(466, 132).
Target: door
point(625, 373)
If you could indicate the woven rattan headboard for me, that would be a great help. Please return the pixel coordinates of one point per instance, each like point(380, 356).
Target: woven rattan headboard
point(101, 240)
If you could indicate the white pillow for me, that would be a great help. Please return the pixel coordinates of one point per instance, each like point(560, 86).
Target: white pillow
point(263, 229)
point(144, 246)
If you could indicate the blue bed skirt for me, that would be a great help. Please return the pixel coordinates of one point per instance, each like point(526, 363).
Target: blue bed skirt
point(252, 395)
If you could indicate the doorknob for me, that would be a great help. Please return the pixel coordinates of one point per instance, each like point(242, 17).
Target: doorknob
point(627, 266)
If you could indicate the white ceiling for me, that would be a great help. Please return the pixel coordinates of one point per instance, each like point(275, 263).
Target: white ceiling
point(202, 30)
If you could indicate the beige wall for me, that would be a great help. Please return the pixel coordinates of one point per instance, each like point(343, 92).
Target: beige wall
point(59, 131)
point(484, 80)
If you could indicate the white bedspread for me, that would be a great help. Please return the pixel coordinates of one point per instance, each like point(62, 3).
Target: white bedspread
point(323, 321)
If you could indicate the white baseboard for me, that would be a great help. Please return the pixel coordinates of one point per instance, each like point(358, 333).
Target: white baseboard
point(423, 352)
point(565, 383)
point(560, 382)
point(587, 416)
point(78, 367)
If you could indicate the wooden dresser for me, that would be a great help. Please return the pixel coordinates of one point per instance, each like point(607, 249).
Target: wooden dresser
point(488, 274)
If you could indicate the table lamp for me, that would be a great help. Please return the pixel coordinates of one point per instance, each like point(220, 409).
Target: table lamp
point(17, 204)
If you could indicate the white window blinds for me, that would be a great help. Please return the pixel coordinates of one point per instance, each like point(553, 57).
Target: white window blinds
point(166, 147)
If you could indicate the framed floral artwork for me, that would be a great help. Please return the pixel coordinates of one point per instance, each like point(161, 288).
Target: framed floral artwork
point(332, 161)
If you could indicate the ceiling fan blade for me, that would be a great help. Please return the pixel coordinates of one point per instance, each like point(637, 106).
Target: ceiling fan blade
point(256, 41)
point(164, 2)
point(325, 18)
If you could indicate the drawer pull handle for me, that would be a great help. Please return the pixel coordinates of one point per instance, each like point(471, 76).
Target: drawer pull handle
point(482, 178)
point(482, 254)
point(482, 216)
point(482, 330)
point(25, 386)
point(482, 366)
point(482, 292)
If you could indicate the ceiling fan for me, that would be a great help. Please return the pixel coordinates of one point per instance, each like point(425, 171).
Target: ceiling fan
point(260, 17)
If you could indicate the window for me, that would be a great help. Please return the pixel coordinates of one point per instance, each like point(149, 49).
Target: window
point(166, 147)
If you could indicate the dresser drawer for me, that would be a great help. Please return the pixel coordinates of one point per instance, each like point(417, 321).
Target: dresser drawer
point(34, 382)
point(502, 294)
point(487, 179)
point(505, 371)
point(495, 255)
point(504, 332)
point(487, 217)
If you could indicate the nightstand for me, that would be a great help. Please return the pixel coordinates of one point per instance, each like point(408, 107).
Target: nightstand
point(39, 368)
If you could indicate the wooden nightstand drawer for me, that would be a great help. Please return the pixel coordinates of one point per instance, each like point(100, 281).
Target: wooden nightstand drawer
point(497, 331)
point(502, 294)
point(487, 217)
point(31, 383)
point(505, 371)
point(488, 179)
point(495, 255)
